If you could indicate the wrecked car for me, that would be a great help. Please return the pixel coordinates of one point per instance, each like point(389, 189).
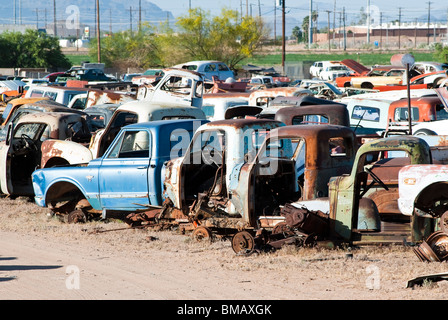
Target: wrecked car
point(20, 152)
point(171, 100)
point(37, 106)
point(213, 163)
point(362, 206)
point(314, 114)
point(226, 198)
point(126, 178)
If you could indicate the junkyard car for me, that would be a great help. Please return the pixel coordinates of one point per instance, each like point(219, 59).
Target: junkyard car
point(209, 69)
point(392, 77)
point(314, 114)
point(126, 178)
point(223, 185)
point(362, 206)
point(330, 73)
point(178, 95)
point(38, 106)
point(21, 152)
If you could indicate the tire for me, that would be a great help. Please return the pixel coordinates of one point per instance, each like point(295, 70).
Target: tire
point(425, 132)
point(367, 85)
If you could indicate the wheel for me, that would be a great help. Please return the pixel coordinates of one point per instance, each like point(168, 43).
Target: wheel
point(443, 222)
point(202, 234)
point(425, 132)
point(367, 85)
point(243, 242)
point(77, 216)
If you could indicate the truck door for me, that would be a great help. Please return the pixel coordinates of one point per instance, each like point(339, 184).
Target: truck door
point(123, 176)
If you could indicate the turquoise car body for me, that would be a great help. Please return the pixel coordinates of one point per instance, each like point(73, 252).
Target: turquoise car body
point(128, 177)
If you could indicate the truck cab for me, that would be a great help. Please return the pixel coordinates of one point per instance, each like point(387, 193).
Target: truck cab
point(362, 206)
point(127, 178)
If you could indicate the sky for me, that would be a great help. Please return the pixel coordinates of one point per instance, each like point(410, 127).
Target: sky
point(410, 9)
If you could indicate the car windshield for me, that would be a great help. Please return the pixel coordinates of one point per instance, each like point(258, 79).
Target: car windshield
point(337, 68)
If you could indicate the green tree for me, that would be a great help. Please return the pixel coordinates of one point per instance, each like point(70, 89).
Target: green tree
point(297, 34)
point(128, 49)
point(441, 53)
point(227, 37)
point(32, 49)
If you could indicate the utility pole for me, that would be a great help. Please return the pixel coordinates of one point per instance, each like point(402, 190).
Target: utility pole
point(399, 28)
point(368, 21)
point(275, 22)
point(328, 31)
point(343, 19)
point(54, 19)
point(130, 17)
point(98, 38)
point(415, 34)
point(310, 25)
point(283, 36)
point(37, 18)
point(140, 15)
point(334, 20)
point(429, 20)
point(15, 12)
point(381, 30)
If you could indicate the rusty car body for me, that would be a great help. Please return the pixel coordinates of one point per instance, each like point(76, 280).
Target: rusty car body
point(59, 94)
point(314, 114)
point(178, 95)
point(362, 206)
point(16, 103)
point(44, 105)
point(21, 151)
point(96, 97)
point(293, 162)
point(262, 97)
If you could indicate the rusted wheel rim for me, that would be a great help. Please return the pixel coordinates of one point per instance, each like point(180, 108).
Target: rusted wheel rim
point(425, 253)
point(243, 242)
point(76, 216)
point(443, 222)
point(202, 234)
point(438, 241)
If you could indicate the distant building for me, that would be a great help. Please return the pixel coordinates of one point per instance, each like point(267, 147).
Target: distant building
point(65, 30)
point(388, 34)
point(16, 27)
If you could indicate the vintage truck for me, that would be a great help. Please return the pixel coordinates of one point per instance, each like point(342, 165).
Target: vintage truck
point(126, 178)
point(362, 206)
point(20, 152)
point(38, 106)
point(314, 114)
point(178, 95)
point(233, 185)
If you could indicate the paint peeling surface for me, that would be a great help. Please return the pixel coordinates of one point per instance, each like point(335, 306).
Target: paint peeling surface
point(423, 187)
point(127, 178)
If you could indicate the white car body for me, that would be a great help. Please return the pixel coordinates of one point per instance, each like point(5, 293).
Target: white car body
point(318, 66)
point(330, 73)
point(208, 69)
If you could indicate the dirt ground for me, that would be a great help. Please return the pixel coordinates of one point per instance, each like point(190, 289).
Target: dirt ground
point(45, 259)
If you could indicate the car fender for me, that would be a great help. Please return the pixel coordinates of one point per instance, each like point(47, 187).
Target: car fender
point(71, 152)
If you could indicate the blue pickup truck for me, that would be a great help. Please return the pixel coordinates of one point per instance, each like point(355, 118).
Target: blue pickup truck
point(128, 177)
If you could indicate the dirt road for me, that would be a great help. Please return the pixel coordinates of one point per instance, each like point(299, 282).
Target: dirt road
point(43, 258)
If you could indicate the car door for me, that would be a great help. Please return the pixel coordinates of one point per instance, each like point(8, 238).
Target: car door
point(123, 176)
